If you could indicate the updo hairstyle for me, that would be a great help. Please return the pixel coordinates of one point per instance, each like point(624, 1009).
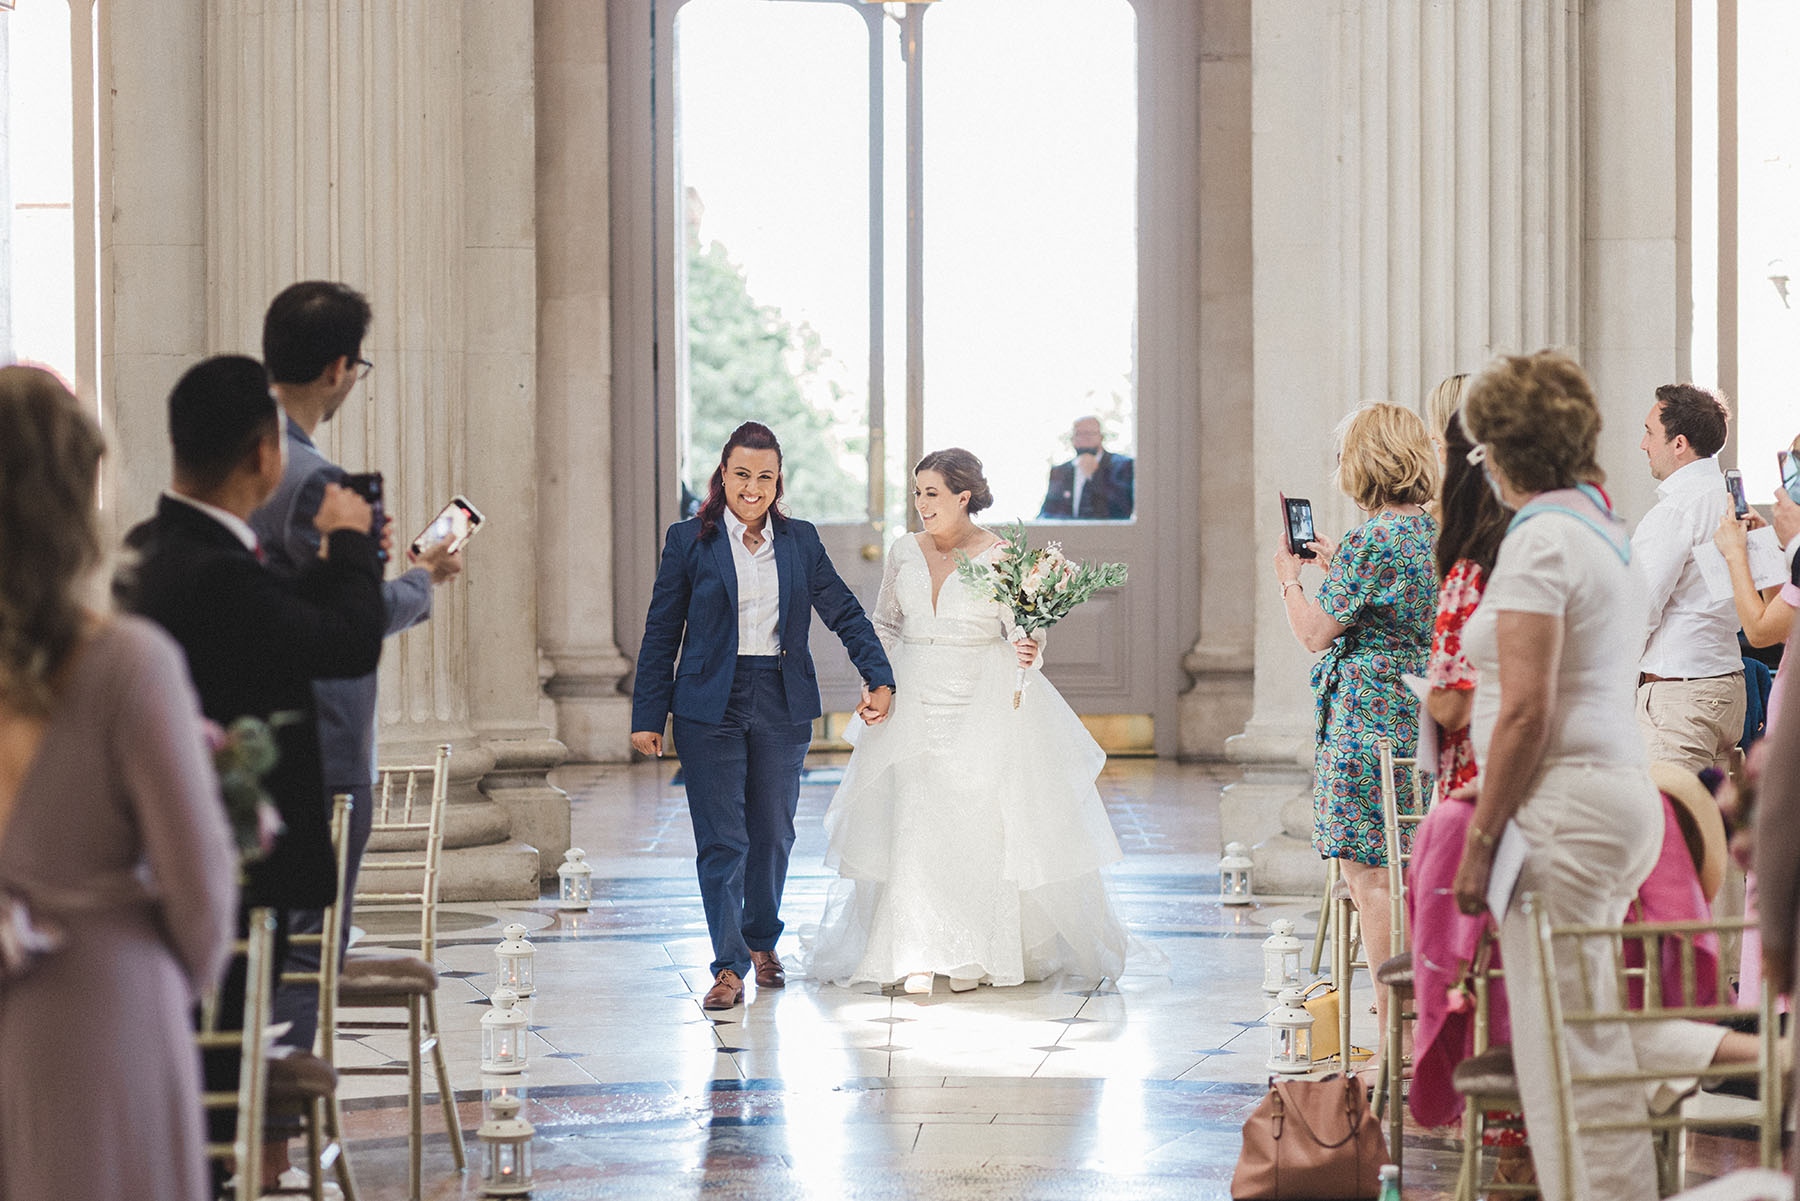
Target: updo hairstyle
point(962, 473)
point(1385, 458)
point(1536, 415)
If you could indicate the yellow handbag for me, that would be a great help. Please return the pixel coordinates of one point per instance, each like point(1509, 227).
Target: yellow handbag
point(1324, 1010)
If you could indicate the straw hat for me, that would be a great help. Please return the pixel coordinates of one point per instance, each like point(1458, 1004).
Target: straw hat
point(1702, 826)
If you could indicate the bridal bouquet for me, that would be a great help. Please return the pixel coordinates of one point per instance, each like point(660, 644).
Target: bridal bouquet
point(1036, 588)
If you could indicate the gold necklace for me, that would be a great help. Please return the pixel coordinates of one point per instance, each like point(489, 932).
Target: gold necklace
point(945, 554)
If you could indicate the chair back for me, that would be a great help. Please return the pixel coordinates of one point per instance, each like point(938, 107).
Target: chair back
point(1400, 774)
point(248, 1100)
point(409, 802)
point(1607, 997)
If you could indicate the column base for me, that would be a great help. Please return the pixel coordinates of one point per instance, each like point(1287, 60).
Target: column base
point(593, 717)
point(537, 809)
point(1270, 810)
point(1217, 706)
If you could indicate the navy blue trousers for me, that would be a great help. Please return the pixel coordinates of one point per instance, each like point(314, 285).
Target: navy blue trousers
point(743, 784)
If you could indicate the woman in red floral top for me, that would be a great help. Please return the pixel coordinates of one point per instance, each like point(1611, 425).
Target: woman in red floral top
point(1473, 523)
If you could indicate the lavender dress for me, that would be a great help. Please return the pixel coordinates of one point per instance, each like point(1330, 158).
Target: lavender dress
point(118, 839)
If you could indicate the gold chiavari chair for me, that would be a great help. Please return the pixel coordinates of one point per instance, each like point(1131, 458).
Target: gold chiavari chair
point(246, 1101)
point(400, 981)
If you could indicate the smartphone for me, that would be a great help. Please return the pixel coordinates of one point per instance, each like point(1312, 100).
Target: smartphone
point(1790, 473)
point(367, 484)
point(1297, 520)
point(1734, 484)
point(455, 523)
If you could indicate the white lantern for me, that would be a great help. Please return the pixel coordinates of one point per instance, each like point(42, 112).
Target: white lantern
point(503, 1034)
point(1234, 875)
point(575, 881)
point(1281, 957)
point(516, 956)
point(1290, 1035)
point(505, 1151)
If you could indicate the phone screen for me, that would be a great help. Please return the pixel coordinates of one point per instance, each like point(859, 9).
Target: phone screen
point(1299, 525)
point(1790, 473)
point(453, 524)
point(1734, 484)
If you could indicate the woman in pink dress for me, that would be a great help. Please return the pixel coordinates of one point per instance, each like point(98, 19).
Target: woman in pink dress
point(117, 870)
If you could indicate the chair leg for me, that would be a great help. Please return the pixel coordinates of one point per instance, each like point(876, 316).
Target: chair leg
point(315, 1175)
point(415, 1102)
point(1394, 1074)
point(1322, 931)
point(446, 1095)
point(1346, 941)
point(1468, 1176)
point(334, 1119)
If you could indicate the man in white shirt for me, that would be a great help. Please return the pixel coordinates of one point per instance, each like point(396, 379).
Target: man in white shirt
point(1690, 697)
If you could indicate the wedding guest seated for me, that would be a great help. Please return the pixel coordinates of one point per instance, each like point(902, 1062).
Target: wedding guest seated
point(117, 870)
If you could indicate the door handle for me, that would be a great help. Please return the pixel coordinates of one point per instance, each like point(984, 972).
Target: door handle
point(871, 551)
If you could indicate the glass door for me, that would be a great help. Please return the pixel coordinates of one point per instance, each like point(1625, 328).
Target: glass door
point(894, 228)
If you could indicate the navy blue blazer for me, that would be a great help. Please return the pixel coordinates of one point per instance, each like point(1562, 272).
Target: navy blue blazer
point(694, 606)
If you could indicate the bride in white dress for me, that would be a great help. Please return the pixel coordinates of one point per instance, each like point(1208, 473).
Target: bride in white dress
point(968, 835)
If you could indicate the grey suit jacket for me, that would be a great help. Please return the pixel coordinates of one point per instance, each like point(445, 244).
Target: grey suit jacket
point(285, 526)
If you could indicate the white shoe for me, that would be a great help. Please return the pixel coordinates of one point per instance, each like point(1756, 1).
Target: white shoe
point(919, 984)
point(963, 985)
point(296, 1178)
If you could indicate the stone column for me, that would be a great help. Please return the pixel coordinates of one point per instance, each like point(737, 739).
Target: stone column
point(575, 491)
point(388, 145)
point(1433, 219)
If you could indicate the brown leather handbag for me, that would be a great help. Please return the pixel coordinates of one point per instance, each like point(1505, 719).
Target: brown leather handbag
point(1311, 1140)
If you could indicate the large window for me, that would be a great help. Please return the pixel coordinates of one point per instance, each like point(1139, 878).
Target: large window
point(904, 228)
point(37, 312)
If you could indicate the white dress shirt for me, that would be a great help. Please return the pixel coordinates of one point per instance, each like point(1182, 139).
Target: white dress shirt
point(231, 521)
point(1690, 635)
point(759, 589)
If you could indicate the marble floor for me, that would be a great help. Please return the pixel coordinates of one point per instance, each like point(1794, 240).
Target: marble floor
point(1124, 1089)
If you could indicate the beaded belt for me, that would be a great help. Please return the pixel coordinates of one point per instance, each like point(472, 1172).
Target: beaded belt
point(911, 640)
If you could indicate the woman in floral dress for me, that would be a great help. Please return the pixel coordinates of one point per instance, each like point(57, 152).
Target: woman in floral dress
point(1373, 619)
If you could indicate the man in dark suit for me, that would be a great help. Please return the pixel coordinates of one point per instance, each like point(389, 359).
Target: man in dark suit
point(254, 643)
point(312, 347)
point(1096, 485)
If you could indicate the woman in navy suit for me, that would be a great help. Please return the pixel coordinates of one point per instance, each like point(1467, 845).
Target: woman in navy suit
point(735, 592)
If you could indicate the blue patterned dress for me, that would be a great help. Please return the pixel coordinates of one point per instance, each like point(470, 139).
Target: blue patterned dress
point(1381, 585)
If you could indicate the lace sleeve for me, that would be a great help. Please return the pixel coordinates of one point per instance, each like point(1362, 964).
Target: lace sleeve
point(887, 615)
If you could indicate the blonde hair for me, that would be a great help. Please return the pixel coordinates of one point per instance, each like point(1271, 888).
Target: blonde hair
point(1537, 416)
point(1385, 458)
point(1442, 402)
point(49, 531)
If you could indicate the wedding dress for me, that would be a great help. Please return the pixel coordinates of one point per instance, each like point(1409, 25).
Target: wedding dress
point(968, 835)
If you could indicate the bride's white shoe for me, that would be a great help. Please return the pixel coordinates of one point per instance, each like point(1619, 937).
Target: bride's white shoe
point(957, 985)
point(918, 983)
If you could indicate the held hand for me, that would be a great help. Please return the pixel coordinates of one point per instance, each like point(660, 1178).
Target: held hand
point(647, 742)
point(342, 509)
point(439, 561)
point(387, 535)
point(875, 705)
point(1787, 518)
point(1731, 537)
point(1028, 650)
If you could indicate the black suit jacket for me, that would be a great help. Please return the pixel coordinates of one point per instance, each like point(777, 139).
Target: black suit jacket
point(254, 645)
point(1107, 496)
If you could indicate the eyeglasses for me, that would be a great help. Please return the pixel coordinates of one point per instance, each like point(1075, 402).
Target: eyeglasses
point(1477, 454)
point(366, 367)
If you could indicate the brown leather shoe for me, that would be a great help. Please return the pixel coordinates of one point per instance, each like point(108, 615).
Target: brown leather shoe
point(727, 991)
point(769, 972)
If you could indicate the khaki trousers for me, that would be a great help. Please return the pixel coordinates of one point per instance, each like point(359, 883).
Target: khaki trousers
point(1692, 723)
